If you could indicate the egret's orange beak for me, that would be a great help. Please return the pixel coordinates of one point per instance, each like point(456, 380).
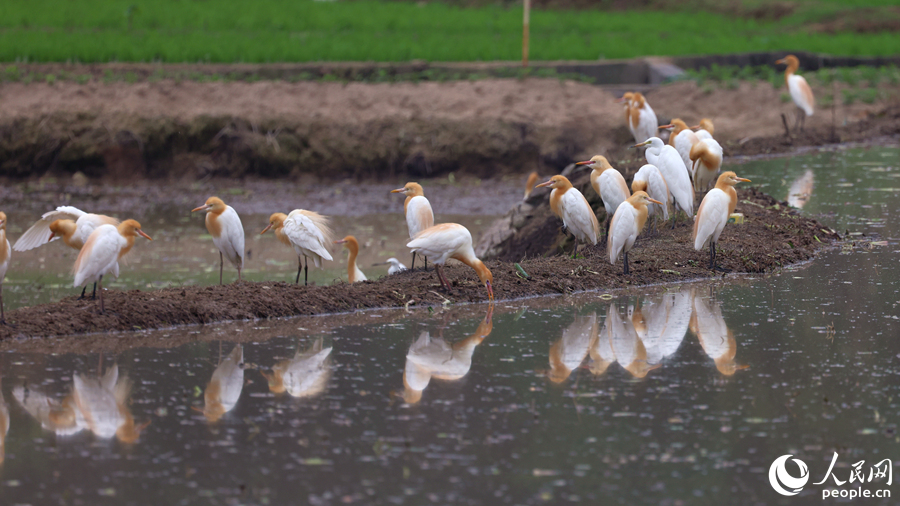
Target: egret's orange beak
point(695, 127)
point(743, 179)
point(204, 207)
point(398, 190)
point(656, 202)
point(586, 162)
point(266, 229)
point(545, 183)
point(781, 61)
point(142, 234)
point(490, 290)
point(620, 100)
point(667, 127)
point(52, 235)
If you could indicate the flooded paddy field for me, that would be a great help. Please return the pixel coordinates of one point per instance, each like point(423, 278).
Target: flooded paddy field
point(678, 394)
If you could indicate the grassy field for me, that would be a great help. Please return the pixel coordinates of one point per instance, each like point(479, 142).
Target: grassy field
point(230, 31)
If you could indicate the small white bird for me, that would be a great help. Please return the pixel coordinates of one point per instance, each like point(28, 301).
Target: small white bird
point(354, 275)
point(799, 89)
point(713, 214)
point(224, 388)
point(224, 225)
point(706, 160)
point(626, 225)
point(650, 180)
point(5, 252)
point(308, 233)
point(570, 205)
point(102, 251)
point(395, 265)
point(305, 375)
point(417, 209)
point(672, 168)
point(609, 184)
point(682, 139)
point(451, 240)
point(705, 129)
point(642, 118)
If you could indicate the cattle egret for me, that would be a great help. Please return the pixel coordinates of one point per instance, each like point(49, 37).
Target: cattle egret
point(650, 180)
point(4, 261)
point(417, 209)
point(799, 89)
point(354, 275)
point(305, 375)
point(567, 354)
point(715, 337)
point(450, 240)
point(102, 405)
point(706, 160)
point(102, 251)
point(609, 184)
point(570, 205)
point(713, 214)
point(705, 129)
point(529, 184)
point(626, 345)
point(227, 232)
point(670, 164)
point(642, 119)
point(224, 388)
point(395, 265)
point(682, 139)
point(626, 225)
point(308, 233)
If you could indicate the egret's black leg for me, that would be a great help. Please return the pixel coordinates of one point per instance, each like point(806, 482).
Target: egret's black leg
point(299, 268)
point(426, 261)
point(626, 262)
point(306, 273)
point(608, 223)
point(83, 290)
point(100, 282)
point(712, 255)
point(221, 266)
point(413, 263)
point(94, 293)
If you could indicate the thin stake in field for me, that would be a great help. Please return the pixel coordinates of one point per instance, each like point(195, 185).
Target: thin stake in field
point(526, 14)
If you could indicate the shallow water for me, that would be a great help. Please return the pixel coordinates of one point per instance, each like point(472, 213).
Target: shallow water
point(677, 395)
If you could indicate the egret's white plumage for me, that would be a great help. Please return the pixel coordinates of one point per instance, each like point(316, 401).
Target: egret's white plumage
point(354, 274)
point(706, 160)
point(417, 209)
point(627, 223)
point(567, 354)
point(626, 344)
point(683, 139)
point(227, 231)
point(570, 205)
point(713, 214)
point(304, 375)
point(451, 240)
point(715, 337)
point(5, 253)
point(102, 251)
point(642, 118)
point(395, 266)
point(670, 164)
point(608, 183)
point(305, 231)
point(665, 320)
point(73, 225)
point(224, 388)
point(650, 180)
point(799, 89)
point(705, 129)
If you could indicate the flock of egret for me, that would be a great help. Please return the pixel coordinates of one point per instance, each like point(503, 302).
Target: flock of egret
point(688, 164)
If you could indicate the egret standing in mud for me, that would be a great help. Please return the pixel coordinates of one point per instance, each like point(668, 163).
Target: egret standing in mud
point(224, 225)
point(417, 209)
point(669, 163)
point(450, 240)
point(649, 179)
point(354, 275)
point(395, 265)
point(102, 251)
point(641, 120)
point(682, 139)
point(305, 231)
point(71, 224)
point(626, 225)
point(570, 205)
point(706, 160)
point(713, 214)
point(4, 261)
point(799, 89)
point(609, 184)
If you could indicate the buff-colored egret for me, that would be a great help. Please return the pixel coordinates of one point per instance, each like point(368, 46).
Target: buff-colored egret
point(799, 89)
point(626, 225)
point(417, 209)
point(569, 204)
point(354, 274)
point(102, 251)
point(224, 225)
point(451, 240)
point(713, 214)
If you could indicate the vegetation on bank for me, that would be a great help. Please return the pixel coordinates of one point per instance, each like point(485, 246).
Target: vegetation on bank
point(230, 31)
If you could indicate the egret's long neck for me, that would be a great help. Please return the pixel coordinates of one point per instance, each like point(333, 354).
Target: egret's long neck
point(351, 261)
point(469, 258)
point(555, 198)
point(732, 195)
point(129, 239)
point(279, 233)
point(642, 215)
point(789, 71)
point(66, 230)
point(4, 248)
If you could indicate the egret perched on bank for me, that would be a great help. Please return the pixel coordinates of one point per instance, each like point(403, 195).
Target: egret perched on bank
point(706, 160)
point(682, 139)
point(529, 184)
point(626, 100)
point(626, 225)
point(450, 240)
point(670, 164)
point(102, 251)
point(650, 180)
point(609, 184)
point(417, 209)
point(570, 205)
point(705, 129)
point(395, 265)
point(71, 224)
point(4, 260)
point(642, 118)
point(799, 89)
point(224, 225)
point(713, 214)
point(353, 273)
point(305, 231)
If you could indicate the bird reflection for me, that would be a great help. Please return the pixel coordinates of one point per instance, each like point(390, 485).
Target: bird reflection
point(432, 357)
point(224, 389)
point(305, 375)
point(661, 322)
point(602, 355)
point(97, 404)
point(626, 346)
point(4, 423)
point(801, 190)
point(715, 337)
point(569, 351)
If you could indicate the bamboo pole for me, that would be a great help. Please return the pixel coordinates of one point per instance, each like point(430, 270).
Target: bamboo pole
point(525, 22)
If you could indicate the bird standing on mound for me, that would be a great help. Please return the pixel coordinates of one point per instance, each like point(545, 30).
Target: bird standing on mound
point(308, 233)
point(102, 251)
point(705, 129)
point(570, 205)
point(4, 260)
point(395, 265)
point(649, 179)
point(609, 184)
point(713, 214)
point(706, 160)
point(417, 209)
point(671, 166)
point(642, 120)
point(450, 240)
point(682, 139)
point(224, 225)
point(626, 225)
point(353, 273)
point(799, 89)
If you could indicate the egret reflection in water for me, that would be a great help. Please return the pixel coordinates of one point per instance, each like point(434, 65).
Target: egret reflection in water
point(224, 389)
point(567, 353)
point(626, 345)
point(801, 190)
point(4, 423)
point(661, 321)
point(713, 333)
point(305, 375)
point(433, 357)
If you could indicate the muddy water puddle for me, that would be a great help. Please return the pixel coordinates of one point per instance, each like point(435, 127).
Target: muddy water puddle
point(677, 395)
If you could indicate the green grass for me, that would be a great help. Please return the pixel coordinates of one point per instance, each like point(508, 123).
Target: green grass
point(307, 31)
